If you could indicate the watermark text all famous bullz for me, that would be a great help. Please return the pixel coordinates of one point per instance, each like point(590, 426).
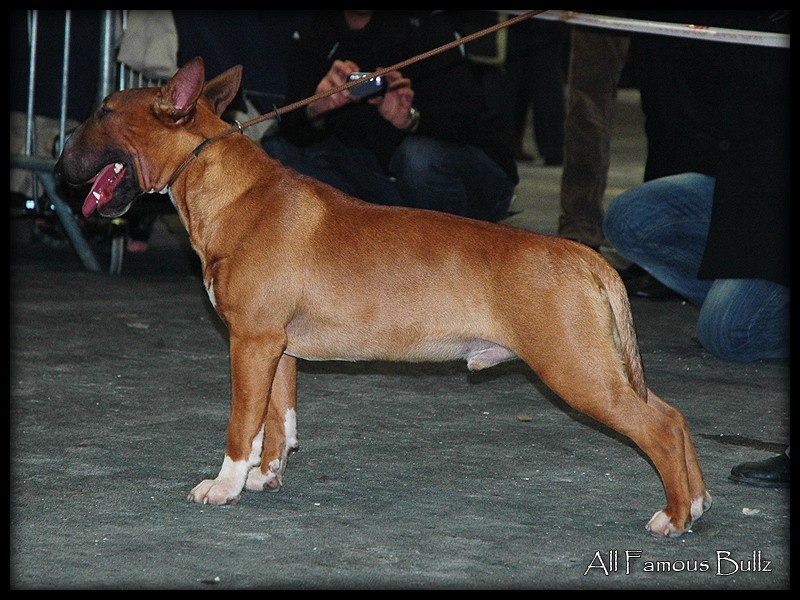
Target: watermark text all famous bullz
point(724, 563)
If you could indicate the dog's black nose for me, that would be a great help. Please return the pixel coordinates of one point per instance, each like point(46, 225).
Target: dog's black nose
point(69, 190)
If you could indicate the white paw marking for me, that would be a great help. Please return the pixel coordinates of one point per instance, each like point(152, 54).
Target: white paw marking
point(660, 524)
point(255, 449)
point(210, 291)
point(225, 488)
point(700, 505)
point(290, 429)
point(271, 480)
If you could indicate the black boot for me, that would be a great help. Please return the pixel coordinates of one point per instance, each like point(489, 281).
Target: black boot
point(770, 473)
point(640, 284)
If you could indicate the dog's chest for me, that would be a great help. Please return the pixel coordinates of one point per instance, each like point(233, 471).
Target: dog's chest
point(209, 284)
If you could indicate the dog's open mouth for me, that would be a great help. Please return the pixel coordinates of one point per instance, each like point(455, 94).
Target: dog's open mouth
point(103, 186)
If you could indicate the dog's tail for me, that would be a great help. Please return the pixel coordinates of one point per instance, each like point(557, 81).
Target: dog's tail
point(623, 319)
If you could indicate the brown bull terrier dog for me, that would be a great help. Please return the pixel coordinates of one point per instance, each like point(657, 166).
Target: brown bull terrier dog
point(297, 269)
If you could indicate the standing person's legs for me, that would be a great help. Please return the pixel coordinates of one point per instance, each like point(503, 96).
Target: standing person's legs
point(596, 64)
point(521, 108)
point(517, 90)
point(507, 94)
point(455, 178)
point(547, 98)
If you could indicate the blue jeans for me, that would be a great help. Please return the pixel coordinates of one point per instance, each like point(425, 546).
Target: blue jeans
point(423, 173)
point(662, 226)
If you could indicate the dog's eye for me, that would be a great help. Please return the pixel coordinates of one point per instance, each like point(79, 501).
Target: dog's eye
point(102, 110)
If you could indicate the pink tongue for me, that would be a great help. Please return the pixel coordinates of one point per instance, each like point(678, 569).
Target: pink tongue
point(105, 182)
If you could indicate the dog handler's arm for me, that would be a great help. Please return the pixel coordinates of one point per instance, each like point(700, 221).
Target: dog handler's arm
point(396, 105)
point(337, 75)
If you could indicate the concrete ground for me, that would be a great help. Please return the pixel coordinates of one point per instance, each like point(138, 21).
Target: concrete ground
point(407, 476)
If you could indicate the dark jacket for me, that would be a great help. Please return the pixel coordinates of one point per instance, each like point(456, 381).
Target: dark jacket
point(723, 109)
point(446, 94)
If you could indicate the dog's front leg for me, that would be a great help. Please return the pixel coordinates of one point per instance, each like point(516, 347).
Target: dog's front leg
point(254, 362)
point(280, 430)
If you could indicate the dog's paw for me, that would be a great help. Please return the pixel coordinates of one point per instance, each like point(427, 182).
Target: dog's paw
point(225, 489)
point(661, 525)
point(700, 505)
point(271, 481)
point(211, 491)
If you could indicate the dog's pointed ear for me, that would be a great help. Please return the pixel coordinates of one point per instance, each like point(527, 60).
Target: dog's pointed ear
point(179, 95)
point(223, 88)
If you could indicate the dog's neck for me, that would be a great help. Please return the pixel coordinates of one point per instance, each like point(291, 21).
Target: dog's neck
point(200, 195)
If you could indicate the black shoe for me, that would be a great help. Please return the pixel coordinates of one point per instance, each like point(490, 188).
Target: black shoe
point(650, 288)
point(631, 273)
point(641, 284)
point(770, 473)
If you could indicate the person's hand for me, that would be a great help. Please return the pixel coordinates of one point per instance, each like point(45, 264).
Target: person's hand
point(337, 75)
point(395, 104)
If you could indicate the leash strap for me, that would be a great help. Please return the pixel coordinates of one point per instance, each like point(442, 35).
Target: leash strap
point(395, 67)
point(277, 112)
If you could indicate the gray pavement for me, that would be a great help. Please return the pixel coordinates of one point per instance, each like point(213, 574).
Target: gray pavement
point(407, 476)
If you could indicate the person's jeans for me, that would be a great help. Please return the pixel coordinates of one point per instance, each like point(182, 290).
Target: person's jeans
point(662, 226)
point(423, 173)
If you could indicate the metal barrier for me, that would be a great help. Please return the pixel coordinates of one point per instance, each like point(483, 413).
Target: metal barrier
point(44, 199)
point(112, 75)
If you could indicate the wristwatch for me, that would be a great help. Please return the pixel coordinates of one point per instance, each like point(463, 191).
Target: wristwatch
point(414, 115)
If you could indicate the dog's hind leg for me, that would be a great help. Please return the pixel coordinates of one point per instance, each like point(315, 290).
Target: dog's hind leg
point(664, 439)
point(701, 499)
point(280, 430)
point(580, 357)
point(254, 362)
point(661, 437)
